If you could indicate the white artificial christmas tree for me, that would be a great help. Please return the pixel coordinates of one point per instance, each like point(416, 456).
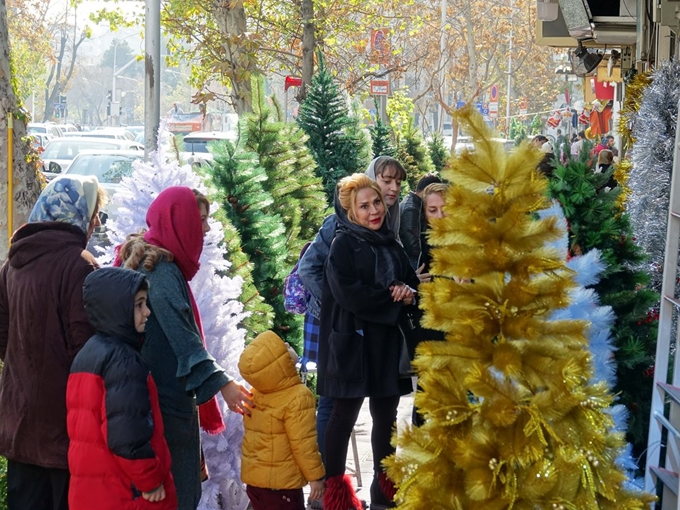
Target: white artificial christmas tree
point(217, 300)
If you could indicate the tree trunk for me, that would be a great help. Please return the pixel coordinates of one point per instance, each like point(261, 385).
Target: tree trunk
point(26, 181)
point(307, 11)
point(230, 17)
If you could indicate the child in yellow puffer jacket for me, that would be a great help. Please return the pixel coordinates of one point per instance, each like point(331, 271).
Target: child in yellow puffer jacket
point(280, 452)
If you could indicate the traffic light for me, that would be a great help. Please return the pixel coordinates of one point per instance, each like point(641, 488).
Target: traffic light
point(62, 99)
point(109, 96)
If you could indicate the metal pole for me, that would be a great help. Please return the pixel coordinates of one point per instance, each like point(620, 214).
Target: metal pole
point(152, 82)
point(507, 106)
point(10, 176)
point(442, 73)
point(112, 121)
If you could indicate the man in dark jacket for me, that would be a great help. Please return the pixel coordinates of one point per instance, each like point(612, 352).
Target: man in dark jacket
point(413, 219)
point(43, 325)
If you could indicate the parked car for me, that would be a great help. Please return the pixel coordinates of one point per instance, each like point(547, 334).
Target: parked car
point(46, 128)
point(114, 134)
point(196, 145)
point(60, 152)
point(109, 167)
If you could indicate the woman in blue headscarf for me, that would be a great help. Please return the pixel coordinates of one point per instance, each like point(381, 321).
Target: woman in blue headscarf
point(43, 325)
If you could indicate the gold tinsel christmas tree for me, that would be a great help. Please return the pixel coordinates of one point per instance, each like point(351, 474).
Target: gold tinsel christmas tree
point(512, 421)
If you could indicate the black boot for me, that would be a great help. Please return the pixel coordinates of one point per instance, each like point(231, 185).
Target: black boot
point(382, 492)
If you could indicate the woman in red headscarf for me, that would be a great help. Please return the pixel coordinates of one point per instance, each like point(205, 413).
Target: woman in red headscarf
point(188, 378)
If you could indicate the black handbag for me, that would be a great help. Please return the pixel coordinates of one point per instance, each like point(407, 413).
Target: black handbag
point(408, 325)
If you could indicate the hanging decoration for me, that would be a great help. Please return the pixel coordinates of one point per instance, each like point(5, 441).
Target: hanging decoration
point(627, 115)
point(653, 130)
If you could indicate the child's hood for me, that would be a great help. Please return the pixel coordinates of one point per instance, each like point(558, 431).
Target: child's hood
point(266, 364)
point(109, 297)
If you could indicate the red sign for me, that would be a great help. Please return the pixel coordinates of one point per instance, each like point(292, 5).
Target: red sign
point(493, 94)
point(380, 87)
point(380, 46)
point(292, 81)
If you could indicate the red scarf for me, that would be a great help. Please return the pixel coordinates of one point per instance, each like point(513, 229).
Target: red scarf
point(175, 224)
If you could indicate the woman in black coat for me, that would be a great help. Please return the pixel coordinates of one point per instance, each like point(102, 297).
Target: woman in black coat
point(368, 282)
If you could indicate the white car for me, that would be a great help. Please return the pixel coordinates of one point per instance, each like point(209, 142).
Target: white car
point(60, 152)
point(196, 145)
point(46, 128)
point(109, 167)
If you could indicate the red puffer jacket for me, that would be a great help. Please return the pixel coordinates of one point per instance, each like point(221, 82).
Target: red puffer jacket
point(117, 449)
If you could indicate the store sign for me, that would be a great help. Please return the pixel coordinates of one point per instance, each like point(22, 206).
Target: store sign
point(380, 87)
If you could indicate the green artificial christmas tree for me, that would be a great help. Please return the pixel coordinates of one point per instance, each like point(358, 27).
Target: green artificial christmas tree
point(518, 131)
point(413, 154)
point(239, 180)
point(260, 313)
point(439, 154)
point(297, 192)
point(536, 125)
point(324, 117)
point(357, 131)
point(597, 221)
point(382, 140)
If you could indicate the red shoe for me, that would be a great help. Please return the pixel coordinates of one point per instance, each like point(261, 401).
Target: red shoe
point(340, 495)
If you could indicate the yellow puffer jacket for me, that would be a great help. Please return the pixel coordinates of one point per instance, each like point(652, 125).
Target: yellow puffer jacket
point(280, 450)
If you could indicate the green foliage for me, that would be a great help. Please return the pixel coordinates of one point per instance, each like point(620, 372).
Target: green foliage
point(3, 483)
point(400, 111)
point(239, 180)
point(261, 314)
point(356, 131)
point(382, 139)
point(324, 117)
point(518, 131)
point(439, 154)
point(597, 222)
point(413, 155)
point(536, 125)
point(291, 181)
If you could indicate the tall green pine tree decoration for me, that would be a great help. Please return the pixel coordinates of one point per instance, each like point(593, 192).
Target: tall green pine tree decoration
point(439, 154)
point(381, 136)
point(324, 117)
point(297, 192)
point(413, 154)
point(239, 179)
point(596, 221)
point(356, 131)
point(261, 314)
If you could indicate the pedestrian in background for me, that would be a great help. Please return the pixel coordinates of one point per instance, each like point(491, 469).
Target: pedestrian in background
point(413, 219)
point(43, 325)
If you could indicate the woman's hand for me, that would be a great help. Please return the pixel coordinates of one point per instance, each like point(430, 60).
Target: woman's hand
point(237, 398)
point(423, 277)
point(403, 293)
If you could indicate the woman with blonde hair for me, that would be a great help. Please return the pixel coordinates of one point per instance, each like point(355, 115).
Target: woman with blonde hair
point(368, 282)
point(187, 376)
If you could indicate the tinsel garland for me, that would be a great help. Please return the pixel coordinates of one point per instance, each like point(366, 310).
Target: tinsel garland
point(654, 129)
point(627, 115)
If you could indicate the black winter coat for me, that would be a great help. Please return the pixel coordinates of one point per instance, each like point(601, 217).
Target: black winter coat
point(360, 342)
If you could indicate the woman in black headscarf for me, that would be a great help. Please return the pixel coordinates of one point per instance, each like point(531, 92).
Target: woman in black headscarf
point(368, 282)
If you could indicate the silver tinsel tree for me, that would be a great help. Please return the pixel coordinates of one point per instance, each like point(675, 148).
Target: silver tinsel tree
point(217, 300)
point(652, 155)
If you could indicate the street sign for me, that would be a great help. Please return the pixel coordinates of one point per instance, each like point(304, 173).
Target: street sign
point(493, 102)
point(493, 94)
point(380, 87)
point(460, 104)
point(480, 107)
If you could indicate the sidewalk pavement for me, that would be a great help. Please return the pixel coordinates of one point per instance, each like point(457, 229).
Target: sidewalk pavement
point(362, 431)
